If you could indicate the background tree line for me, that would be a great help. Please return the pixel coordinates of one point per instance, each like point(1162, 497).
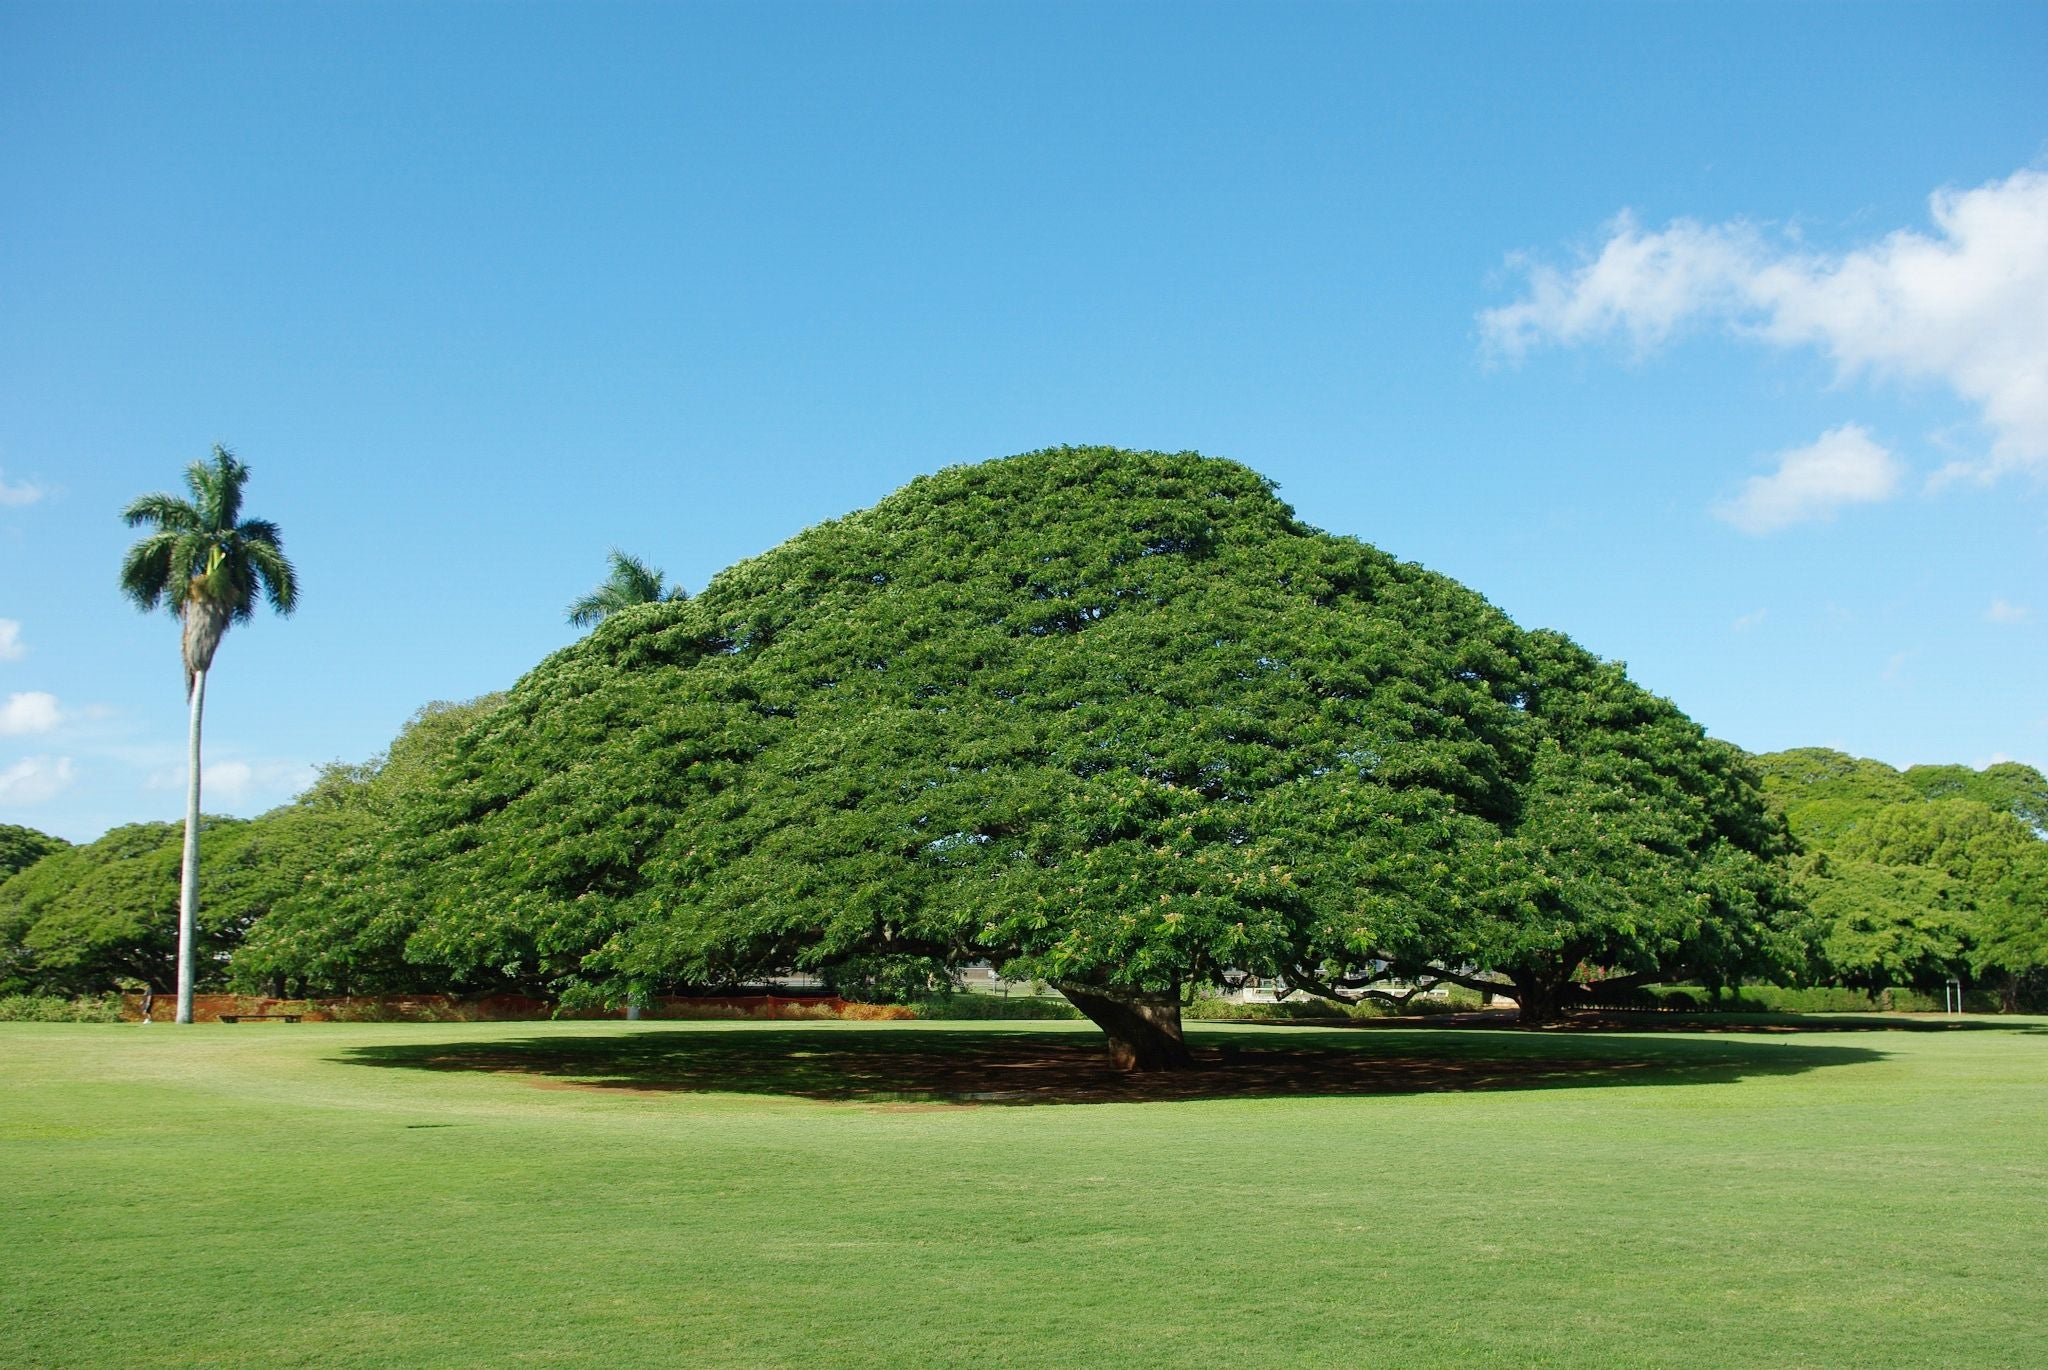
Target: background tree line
point(1904, 878)
point(1914, 877)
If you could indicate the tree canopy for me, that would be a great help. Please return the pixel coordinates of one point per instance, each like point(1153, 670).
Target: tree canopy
point(339, 917)
point(292, 897)
point(2006, 786)
point(1640, 851)
point(1919, 875)
point(88, 918)
point(1114, 720)
point(22, 847)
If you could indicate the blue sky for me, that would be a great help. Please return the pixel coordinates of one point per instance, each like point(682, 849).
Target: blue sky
point(1715, 336)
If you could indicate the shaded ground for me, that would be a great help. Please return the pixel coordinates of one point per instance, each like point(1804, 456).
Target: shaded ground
point(1795, 1022)
point(1011, 1067)
point(1629, 1020)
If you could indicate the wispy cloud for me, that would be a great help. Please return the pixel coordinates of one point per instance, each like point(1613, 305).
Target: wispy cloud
point(1844, 466)
point(2005, 611)
point(34, 779)
point(15, 494)
point(1750, 620)
point(237, 781)
point(232, 781)
point(1965, 305)
point(29, 711)
point(12, 648)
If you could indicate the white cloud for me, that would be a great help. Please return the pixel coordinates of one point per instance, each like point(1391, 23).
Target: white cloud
point(2005, 611)
point(14, 494)
point(228, 780)
point(232, 782)
point(29, 711)
point(11, 646)
point(237, 781)
point(1642, 284)
point(1966, 306)
point(1750, 620)
point(34, 779)
point(1845, 466)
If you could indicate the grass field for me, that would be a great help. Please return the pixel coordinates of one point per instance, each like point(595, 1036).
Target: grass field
point(950, 1194)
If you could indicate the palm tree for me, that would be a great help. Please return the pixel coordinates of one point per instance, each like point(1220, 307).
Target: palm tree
point(632, 581)
point(205, 563)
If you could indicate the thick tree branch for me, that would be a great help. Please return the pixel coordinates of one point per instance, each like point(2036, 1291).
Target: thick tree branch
point(1298, 978)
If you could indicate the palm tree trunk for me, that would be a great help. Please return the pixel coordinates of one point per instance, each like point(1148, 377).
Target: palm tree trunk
point(188, 889)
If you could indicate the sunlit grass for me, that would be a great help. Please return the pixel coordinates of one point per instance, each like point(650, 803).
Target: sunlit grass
point(775, 1195)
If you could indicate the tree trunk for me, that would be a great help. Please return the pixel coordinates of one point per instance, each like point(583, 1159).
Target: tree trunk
point(1143, 1029)
point(1537, 1003)
point(2009, 993)
point(188, 888)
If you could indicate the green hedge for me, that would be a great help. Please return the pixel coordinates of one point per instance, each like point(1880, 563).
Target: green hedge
point(55, 1008)
point(1821, 999)
point(1308, 1009)
point(1286, 1011)
point(992, 1006)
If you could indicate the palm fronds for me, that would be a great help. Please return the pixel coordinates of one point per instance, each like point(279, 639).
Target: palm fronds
point(632, 581)
point(202, 561)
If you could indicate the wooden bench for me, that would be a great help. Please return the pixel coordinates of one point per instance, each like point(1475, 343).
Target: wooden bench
point(260, 1017)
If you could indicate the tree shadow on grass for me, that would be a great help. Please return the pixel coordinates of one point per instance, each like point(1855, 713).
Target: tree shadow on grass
point(1632, 1020)
point(908, 1066)
point(1781, 1023)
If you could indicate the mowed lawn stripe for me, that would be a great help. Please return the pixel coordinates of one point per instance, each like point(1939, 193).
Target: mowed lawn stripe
point(261, 1196)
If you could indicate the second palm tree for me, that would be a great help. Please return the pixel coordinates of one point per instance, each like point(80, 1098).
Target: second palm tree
point(632, 581)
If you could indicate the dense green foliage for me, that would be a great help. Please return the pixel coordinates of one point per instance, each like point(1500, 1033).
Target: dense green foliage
point(22, 847)
point(339, 923)
point(1824, 793)
point(1111, 720)
point(1640, 851)
point(55, 1008)
point(1917, 876)
point(288, 899)
point(1300, 1008)
point(88, 918)
point(1783, 999)
point(984, 1008)
point(2006, 786)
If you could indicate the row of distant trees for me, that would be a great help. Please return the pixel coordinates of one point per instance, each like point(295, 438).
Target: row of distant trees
point(279, 891)
point(1907, 879)
point(1914, 877)
point(210, 567)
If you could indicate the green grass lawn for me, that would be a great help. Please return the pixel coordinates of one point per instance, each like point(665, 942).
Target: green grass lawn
point(942, 1194)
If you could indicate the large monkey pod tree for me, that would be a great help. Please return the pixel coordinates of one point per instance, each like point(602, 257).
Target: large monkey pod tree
point(1114, 720)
